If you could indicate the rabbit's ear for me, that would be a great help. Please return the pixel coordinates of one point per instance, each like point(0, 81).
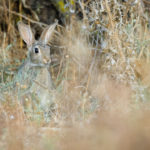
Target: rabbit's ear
point(47, 33)
point(26, 33)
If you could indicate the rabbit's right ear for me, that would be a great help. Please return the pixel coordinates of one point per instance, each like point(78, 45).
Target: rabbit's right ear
point(26, 33)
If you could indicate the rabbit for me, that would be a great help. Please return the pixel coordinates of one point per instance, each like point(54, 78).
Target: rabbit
point(33, 80)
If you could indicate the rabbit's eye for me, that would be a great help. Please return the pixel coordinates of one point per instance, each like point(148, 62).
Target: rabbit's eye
point(36, 50)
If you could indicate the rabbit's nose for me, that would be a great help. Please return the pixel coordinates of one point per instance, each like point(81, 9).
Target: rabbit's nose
point(46, 60)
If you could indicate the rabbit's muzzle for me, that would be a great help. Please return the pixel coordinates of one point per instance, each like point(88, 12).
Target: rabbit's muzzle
point(46, 61)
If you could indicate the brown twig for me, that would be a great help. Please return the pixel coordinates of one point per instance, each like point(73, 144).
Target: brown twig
point(145, 1)
point(24, 17)
point(42, 86)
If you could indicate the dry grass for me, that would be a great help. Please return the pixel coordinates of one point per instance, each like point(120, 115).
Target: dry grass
point(101, 72)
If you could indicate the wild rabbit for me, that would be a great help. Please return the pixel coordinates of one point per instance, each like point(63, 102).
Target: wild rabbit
point(33, 81)
point(33, 76)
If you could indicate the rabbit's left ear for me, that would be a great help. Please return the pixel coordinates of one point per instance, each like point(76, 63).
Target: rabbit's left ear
point(47, 33)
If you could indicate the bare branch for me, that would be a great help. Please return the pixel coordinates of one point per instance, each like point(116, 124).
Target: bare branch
point(24, 17)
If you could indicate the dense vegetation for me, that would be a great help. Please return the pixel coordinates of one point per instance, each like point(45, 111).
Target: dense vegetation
point(100, 68)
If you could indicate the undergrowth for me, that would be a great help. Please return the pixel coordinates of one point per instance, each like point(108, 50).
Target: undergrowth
point(100, 67)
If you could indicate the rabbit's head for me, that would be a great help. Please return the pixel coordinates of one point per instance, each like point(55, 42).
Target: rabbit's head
point(39, 51)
